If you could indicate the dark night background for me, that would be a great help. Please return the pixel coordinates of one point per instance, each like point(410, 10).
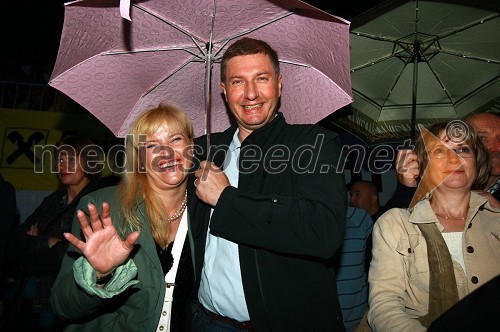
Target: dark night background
point(31, 32)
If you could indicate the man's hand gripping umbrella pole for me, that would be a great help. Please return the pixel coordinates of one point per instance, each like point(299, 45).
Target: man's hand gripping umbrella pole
point(210, 182)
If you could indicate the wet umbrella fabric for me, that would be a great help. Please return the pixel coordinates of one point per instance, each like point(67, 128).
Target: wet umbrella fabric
point(170, 50)
point(419, 62)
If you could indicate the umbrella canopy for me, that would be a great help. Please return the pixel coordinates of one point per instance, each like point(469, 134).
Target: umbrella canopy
point(421, 62)
point(117, 68)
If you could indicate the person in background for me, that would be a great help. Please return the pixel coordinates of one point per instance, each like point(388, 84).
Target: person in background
point(36, 247)
point(8, 211)
point(264, 236)
point(129, 265)
point(487, 125)
point(364, 195)
point(427, 258)
point(349, 262)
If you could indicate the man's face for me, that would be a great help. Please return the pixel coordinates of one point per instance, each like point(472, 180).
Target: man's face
point(488, 129)
point(361, 197)
point(252, 90)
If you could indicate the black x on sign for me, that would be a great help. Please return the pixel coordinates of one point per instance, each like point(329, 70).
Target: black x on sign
point(18, 151)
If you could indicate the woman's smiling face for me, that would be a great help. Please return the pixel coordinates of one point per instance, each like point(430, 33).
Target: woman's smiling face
point(168, 159)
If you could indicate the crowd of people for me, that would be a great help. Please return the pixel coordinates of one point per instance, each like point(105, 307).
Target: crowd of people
point(190, 240)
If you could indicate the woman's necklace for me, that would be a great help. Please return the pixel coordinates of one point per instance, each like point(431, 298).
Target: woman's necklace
point(179, 212)
point(447, 217)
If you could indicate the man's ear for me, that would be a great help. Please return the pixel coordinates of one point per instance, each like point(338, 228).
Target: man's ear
point(223, 86)
point(280, 78)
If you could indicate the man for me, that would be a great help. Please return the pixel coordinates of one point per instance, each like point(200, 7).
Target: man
point(364, 195)
point(350, 262)
point(268, 224)
point(487, 126)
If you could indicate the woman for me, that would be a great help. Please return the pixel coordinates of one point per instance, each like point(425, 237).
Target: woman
point(115, 279)
point(427, 258)
point(36, 248)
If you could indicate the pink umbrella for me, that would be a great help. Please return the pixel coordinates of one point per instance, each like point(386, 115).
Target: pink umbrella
point(117, 68)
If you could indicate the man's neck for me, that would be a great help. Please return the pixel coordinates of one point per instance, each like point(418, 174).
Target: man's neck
point(374, 209)
point(243, 133)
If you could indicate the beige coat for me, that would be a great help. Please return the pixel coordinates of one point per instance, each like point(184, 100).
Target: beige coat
point(399, 271)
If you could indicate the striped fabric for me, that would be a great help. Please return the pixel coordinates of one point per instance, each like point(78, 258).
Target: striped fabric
point(352, 281)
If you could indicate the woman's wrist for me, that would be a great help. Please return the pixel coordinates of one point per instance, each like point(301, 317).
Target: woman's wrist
point(103, 279)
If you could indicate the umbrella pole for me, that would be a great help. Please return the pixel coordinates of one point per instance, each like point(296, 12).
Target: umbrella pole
point(208, 95)
point(416, 56)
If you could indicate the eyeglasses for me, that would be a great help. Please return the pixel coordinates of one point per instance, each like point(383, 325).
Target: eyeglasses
point(442, 151)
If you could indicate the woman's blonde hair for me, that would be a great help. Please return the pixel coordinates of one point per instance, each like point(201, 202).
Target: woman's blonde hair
point(133, 188)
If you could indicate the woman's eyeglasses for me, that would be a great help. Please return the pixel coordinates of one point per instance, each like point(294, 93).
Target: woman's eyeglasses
point(442, 151)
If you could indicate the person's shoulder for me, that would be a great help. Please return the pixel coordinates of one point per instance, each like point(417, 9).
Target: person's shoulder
point(356, 216)
point(6, 186)
point(311, 132)
point(214, 138)
point(356, 213)
point(54, 196)
point(102, 193)
point(311, 128)
point(393, 217)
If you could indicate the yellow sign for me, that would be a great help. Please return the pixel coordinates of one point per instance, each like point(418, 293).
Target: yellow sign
point(21, 131)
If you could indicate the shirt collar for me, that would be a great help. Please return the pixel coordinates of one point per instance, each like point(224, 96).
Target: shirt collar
point(235, 142)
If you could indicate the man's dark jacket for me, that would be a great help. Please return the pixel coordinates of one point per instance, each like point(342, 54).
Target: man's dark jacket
point(53, 217)
point(287, 223)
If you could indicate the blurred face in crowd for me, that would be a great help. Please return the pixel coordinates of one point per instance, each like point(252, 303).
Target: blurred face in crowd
point(252, 90)
point(363, 197)
point(488, 129)
point(70, 169)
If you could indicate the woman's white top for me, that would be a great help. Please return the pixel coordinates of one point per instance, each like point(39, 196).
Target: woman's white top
point(454, 243)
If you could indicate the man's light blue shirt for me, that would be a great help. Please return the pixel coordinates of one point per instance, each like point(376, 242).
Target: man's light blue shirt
point(221, 288)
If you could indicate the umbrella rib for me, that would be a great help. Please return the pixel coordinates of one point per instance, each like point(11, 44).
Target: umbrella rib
point(374, 37)
point(440, 83)
point(195, 39)
point(392, 87)
point(155, 50)
point(225, 41)
point(294, 63)
point(465, 27)
point(167, 77)
point(472, 57)
point(475, 91)
point(370, 101)
point(470, 25)
point(371, 63)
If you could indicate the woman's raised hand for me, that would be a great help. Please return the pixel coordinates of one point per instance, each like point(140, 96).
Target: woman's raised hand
point(103, 248)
